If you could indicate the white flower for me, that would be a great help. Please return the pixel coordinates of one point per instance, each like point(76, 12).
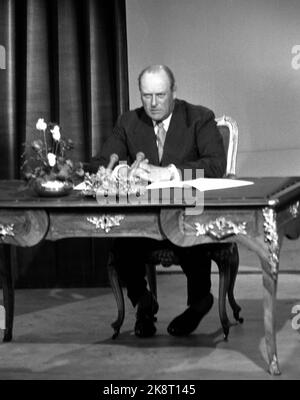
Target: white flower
point(56, 133)
point(41, 125)
point(51, 159)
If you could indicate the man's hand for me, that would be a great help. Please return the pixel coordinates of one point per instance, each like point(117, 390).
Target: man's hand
point(152, 173)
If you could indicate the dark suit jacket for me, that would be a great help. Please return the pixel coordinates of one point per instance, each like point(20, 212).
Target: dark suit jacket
point(193, 140)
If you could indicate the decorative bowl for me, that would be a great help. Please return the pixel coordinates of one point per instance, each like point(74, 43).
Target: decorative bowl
point(52, 188)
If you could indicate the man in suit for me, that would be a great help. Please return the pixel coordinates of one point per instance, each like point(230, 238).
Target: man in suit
point(174, 136)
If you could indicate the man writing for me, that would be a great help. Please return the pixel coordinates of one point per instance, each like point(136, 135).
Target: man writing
point(174, 136)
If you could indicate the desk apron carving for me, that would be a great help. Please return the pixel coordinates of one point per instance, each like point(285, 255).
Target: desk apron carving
point(106, 222)
point(220, 229)
point(294, 209)
point(6, 230)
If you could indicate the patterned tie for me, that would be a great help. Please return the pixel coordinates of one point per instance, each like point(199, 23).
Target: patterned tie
point(160, 138)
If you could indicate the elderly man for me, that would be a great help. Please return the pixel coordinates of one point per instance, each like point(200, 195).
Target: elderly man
point(174, 136)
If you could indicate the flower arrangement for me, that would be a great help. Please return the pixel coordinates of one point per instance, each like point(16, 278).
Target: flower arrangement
point(46, 157)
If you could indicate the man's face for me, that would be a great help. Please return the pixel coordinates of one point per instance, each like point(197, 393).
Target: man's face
point(156, 95)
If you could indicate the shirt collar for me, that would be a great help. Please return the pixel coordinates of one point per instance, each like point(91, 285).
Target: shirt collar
point(166, 122)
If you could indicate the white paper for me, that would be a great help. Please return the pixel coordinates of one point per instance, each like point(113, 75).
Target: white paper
point(202, 184)
point(80, 186)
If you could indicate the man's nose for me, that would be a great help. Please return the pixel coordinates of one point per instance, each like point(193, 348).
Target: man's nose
point(153, 100)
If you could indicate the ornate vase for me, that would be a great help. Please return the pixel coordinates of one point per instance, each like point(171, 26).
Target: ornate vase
point(52, 188)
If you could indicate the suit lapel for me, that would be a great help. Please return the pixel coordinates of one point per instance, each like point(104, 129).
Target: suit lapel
point(174, 138)
point(145, 139)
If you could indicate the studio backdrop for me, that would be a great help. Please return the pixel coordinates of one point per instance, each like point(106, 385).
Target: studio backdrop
point(64, 61)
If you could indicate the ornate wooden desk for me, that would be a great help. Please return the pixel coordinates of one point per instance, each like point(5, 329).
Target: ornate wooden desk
point(256, 216)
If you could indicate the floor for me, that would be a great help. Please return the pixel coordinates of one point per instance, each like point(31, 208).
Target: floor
point(66, 334)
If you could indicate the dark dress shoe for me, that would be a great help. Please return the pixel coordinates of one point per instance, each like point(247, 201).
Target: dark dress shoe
point(187, 322)
point(146, 309)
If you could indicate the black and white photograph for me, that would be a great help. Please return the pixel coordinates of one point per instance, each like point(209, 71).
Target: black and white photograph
point(149, 193)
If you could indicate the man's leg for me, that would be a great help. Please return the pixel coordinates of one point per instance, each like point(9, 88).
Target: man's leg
point(130, 256)
point(196, 264)
point(130, 263)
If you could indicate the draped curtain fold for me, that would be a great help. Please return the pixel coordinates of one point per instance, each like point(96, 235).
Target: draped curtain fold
point(66, 62)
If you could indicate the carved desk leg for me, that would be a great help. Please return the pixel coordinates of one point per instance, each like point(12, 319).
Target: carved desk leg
point(234, 266)
point(8, 291)
point(267, 247)
point(270, 267)
point(118, 293)
point(270, 289)
point(224, 271)
point(227, 258)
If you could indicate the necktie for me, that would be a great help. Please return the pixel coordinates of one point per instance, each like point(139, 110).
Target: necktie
point(160, 138)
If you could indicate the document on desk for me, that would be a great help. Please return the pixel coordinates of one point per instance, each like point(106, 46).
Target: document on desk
point(202, 184)
point(80, 186)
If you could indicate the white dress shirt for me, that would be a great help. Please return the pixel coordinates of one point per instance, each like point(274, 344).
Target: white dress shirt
point(174, 173)
point(165, 122)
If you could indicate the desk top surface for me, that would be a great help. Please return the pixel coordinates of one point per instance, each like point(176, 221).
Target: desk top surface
point(272, 191)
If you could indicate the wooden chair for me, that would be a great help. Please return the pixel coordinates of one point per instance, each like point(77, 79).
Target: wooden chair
point(225, 255)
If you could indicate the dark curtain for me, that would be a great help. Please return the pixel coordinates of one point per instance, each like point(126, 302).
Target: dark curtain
point(66, 62)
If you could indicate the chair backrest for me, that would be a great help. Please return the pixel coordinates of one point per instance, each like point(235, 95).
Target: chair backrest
point(229, 131)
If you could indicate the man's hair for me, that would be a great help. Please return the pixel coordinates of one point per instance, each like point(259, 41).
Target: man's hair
point(158, 68)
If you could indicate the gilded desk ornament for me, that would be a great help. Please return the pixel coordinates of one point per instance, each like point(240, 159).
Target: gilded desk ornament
point(294, 209)
point(6, 230)
point(106, 222)
point(271, 237)
point(220, 229)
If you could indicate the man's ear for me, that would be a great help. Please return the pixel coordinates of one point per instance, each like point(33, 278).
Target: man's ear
point(174, 92)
